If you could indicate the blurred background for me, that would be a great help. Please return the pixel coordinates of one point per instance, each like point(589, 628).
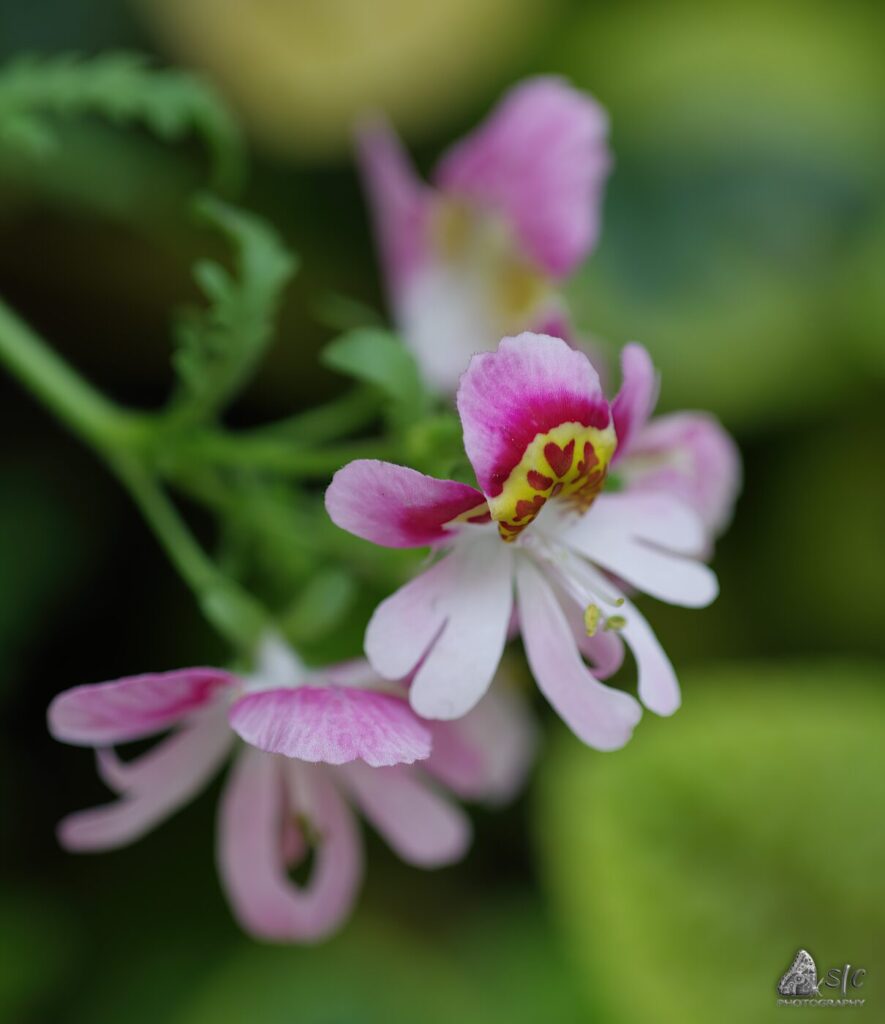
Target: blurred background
point(744, 244)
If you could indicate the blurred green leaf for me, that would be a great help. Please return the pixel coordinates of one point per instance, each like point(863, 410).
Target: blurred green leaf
point(524, 970)
point(219, 347)
point(367, 974)
point(36, 942)
point(123, 88)
point(343, 313)
point(380, 358)
point(821, 544)
point(324, 600)
point(688, 868)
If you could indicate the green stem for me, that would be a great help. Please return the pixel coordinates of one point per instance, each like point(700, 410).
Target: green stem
point(251, 451)
point(119, 436)
point(336, 418)
point(232, 611)
point(74, 401)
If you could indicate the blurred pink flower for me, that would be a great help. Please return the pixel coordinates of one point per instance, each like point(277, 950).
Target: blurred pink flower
point(540, 436)
point(514, 208)
point(317, 742)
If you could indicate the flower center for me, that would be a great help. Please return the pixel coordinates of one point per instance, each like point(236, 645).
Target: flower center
point(587, 588)
point(482, 246)
point(569, 462)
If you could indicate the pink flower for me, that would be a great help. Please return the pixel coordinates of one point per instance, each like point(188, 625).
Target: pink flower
point(541, 437)
point(515, 207)
point(685, 454)
point(317, 743)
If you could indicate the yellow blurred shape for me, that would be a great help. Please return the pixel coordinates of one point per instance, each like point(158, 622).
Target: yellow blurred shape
point(301, 71)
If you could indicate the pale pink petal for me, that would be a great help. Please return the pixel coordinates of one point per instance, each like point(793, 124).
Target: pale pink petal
point(398, 200)
point(531, 384)
point(540, 160)
point(658, 685)
point(332, 724)
point(657, 518)
point(636, 400)
point(102, 714)
point(691, 456)
point(450, 310)
point(630, 535)
point(420, 825)
point(404, 625)
point(599, 715)
point(671, 578)
point(152, 786)
point(460, 664)
point(398, 507)
point(253, 850)
point(486, 755)
point(604, 650)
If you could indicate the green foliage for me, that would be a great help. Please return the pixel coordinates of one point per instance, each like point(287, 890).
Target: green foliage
point(368, 974)
point(502, 965)
point(689, 867)
point(123, 88)
point(378, 357)
point(36, 941)
point(219, 346)
point(324, 600)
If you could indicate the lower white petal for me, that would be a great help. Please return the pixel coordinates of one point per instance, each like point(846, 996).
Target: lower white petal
point(460, 665)
point(599, 715)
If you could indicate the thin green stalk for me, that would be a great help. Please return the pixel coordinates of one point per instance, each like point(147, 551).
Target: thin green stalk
point(232, 611)
point(78, 405)
point(276, 454)
point(118, 436)
point(329, 422)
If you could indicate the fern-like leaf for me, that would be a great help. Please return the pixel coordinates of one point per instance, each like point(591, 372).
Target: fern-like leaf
point(219, 346)
point(123, 88)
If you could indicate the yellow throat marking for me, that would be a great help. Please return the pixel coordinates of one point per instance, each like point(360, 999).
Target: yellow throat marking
point(570, 462)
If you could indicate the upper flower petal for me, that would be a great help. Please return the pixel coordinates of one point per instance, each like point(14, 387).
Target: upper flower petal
point(399, 507)
point(599, 715)
point(332, 724)
point(399, 203)
point(536, 425)
point(540, 160)
point(103, 714)
point(691, 456)
point(421, 825)
point(151, 787)
point(636, 400)
point(253, 849)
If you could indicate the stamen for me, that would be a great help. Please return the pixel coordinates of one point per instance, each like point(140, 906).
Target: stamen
point(615, 622)
point(591, 619)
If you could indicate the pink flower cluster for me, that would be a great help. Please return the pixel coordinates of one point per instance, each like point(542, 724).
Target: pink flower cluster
point(543, 546)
